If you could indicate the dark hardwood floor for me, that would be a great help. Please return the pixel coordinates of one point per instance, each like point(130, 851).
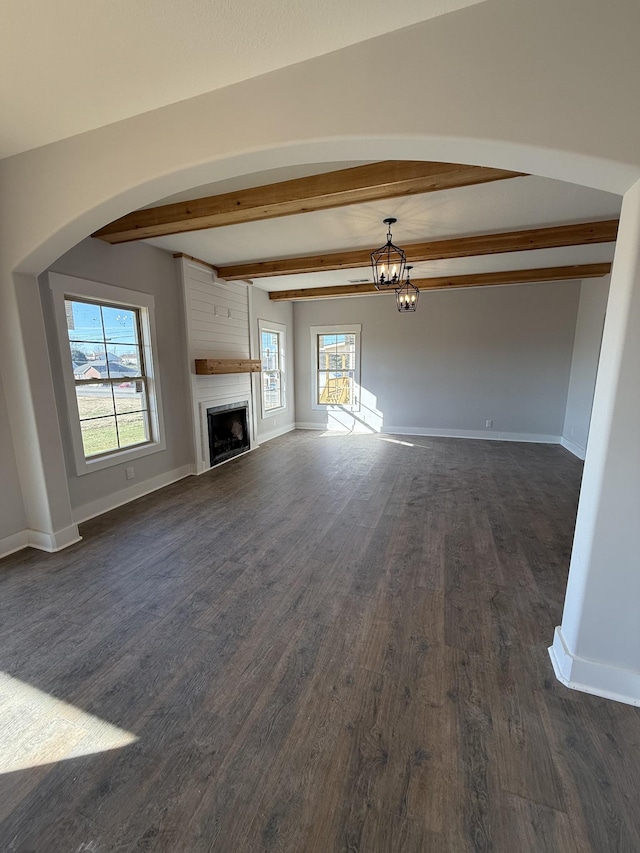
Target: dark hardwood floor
point(330, 644)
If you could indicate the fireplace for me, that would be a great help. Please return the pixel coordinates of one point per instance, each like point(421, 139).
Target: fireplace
point(228, 431)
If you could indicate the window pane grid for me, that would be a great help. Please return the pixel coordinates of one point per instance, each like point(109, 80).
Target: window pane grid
point(111, 380)
point(336, 365)
point(109, 374)
point(117, 415)
point(114, 431)
point(271, 370)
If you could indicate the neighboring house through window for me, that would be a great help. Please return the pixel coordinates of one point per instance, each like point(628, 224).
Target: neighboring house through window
point(106, 337)
point(336, 366)
point(272, 354)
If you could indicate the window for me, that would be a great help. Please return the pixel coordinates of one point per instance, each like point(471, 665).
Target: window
point(271, 377)
point(336, 366)
point(272, 355)
point(106, 343)
point(107, 360)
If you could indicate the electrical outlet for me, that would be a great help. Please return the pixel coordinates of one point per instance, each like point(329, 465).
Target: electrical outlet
point(129, 473)
point(488, 423)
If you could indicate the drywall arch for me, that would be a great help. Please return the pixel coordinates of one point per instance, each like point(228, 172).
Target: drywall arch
point(58, 237)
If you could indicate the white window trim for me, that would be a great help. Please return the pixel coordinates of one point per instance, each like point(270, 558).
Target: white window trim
point(66, 286)
point(268, 326)
point(328, 329)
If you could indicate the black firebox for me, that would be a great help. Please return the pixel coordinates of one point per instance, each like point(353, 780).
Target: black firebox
point(228, 432)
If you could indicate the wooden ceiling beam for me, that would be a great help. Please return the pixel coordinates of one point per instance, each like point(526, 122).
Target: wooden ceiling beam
point(487, 279)
point(372, 182)
point(434, 250)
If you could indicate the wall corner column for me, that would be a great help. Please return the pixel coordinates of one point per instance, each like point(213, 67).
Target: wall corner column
point(33, 416)
point(597, 647)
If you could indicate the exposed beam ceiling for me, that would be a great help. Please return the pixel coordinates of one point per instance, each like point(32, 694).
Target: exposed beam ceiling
point(372, 182)
point(451, 282)
point(457, 247)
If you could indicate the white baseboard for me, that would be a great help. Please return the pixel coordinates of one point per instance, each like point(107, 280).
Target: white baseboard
point(589, 676)
point(200, 468)
point(436, 432)
point(485, 434)
point(14, 542)
point(49, 542)
point(574, 448)
point(145, 487)
point(267, 436)
point(56, 541)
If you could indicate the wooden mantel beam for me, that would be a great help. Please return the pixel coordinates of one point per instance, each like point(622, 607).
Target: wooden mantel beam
point(387, 179)
point(486, 279)
point(434, 250)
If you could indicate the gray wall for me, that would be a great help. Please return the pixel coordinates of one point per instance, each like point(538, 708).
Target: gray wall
point(584, 365)
point(12, 516)
point(499, 353)
point(135, 266)
point(262, 308)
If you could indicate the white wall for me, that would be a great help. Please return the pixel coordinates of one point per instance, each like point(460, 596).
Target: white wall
point(12, 516)
point(262, 308)
point(135, 266)
point(584, 364)
point(498, 353)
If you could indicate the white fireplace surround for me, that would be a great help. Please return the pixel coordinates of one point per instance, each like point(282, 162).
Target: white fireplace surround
point(203, 463)
point(217, 326)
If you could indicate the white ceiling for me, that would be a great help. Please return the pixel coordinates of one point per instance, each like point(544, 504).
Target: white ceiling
point(509, 205)
point(73, 65)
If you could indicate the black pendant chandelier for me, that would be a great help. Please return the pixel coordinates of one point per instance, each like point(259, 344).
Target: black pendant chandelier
point(407, 294)
point(388, 262)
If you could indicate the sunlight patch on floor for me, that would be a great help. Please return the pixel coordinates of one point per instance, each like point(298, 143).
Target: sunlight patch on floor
point(397, 441)
point(37, 729)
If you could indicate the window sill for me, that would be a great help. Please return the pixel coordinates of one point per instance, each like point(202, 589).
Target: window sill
point(271, 412)
point(119, 457)
point(334, 407)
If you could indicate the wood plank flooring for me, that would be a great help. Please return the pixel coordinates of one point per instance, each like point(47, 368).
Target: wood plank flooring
point(335, 643)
